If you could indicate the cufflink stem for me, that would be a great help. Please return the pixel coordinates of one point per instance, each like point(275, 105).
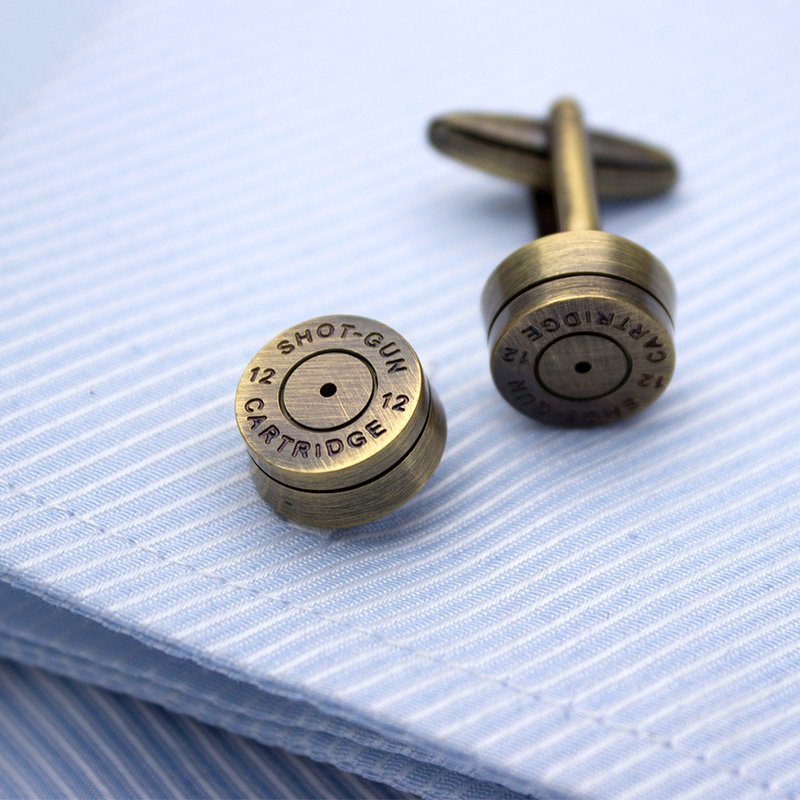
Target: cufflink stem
point(573, 174)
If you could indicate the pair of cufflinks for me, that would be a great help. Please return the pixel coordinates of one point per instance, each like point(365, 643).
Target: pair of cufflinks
point(340, 421)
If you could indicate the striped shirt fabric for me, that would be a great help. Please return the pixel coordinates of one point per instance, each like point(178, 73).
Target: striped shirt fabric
point(610, 613)
point(62, 738)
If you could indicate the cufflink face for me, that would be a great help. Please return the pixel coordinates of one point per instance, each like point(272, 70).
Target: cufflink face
point(579, 322)
point(339, 420)
point(580, 328)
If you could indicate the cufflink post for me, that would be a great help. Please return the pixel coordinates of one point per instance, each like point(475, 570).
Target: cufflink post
point(573, 175)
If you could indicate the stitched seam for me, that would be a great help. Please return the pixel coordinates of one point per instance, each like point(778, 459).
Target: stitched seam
point(569, 709)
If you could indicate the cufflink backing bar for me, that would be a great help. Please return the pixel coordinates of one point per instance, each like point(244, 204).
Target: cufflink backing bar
point(339, 420)
point(580, 322)
point(518, 148)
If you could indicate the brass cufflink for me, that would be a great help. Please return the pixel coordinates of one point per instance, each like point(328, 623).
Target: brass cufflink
point(579, 321)
point(340, 421)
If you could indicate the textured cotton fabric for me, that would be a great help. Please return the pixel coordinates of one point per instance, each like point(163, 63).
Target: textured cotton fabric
point(608, 613)
point(62, 738)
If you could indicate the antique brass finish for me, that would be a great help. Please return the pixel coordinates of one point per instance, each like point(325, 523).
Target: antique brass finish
point(339, 420)
point(518, 148)
point(580, 328)
point(580, 322)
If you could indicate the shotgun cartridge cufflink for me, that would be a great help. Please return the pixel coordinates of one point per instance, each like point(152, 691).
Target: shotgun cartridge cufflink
point(579, 321)
point(339, 420)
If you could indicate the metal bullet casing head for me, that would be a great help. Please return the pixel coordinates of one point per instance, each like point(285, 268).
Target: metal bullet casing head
point(580, 322)
point(580, 328)
point(340, 421)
